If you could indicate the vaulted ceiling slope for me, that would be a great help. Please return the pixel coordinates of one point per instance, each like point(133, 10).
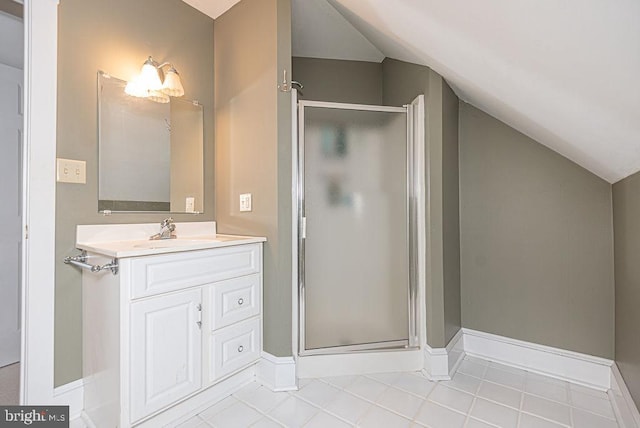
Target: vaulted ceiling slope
point(564, 72)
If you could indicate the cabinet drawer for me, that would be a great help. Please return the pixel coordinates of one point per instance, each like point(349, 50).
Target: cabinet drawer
point(234, 300)
point(234, 347)
point(160, 274)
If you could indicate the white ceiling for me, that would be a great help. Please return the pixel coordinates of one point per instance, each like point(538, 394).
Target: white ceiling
point(566, 73)
point(212, 8)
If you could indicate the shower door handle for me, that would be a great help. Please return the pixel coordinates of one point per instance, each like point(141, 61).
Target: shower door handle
point(303, 228)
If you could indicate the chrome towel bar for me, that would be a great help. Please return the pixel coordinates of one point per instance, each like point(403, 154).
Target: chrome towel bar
point(81, 261)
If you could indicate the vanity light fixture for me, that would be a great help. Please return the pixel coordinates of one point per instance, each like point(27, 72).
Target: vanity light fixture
point(148, 84)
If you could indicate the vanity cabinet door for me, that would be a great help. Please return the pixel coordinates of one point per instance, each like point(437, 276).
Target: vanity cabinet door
point(166, 350)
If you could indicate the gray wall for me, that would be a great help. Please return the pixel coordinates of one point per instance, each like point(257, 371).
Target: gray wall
point(253, 146)
point(339, 81)
point(402, 82)
point(451, 213)
point(115, 36)
point(397, 83)
point(536, 241)
point(626, 224)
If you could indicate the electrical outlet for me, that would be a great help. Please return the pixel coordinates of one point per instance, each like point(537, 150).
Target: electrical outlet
point(245, 202)
point(190, 204)
point(71, 171)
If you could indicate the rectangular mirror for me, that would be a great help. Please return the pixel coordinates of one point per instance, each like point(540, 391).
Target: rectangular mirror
point(150, 155)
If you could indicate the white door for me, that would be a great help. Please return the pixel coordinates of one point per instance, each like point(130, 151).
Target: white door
point(166, 345)
point(10, 213)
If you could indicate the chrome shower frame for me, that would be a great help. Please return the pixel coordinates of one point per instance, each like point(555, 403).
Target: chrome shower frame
point(415, 228)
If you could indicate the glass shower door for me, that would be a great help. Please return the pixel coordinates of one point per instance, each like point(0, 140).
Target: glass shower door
point(354, 266)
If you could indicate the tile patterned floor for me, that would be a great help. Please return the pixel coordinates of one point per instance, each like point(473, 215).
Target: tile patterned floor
point(10, 385)
point(480, 395)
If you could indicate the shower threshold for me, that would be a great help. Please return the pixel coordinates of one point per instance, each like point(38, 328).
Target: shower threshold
point(392, 345)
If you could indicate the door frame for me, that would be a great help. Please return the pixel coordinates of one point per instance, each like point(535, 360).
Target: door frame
point(38, 203)
point(416, 134)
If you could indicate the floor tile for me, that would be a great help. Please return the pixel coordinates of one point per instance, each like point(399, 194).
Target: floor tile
point(550, 390)
point(262, 398)
point(472, 368)
point(386, 378)
point(318, 393)
point(495, 414)
point(408, 399)
point(218, 407)
point(304, 382)
point(378, 417)
point(348, 407)
point(582, 419)
point(505, 378)
point(366, 388)
point(592, 403)
point(266, 423)
point(415, 384)
point(400, 402)
point(248, 389)
point(464, 383)
point(195, 422)
point(475, 423)
point(237, 416)
point(293, 412)
point(500, 394)
point(530, 421)
point(340, 381)
point(452, 398)
point(325, 420)
point(436, 416)
point(551, 410)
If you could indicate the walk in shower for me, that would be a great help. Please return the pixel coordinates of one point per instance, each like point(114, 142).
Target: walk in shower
point(358, 227)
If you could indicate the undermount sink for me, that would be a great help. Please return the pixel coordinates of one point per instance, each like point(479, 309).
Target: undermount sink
point(172, 243)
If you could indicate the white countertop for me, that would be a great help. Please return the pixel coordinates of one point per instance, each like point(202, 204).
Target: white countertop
point(132, 240)
point(122, 249)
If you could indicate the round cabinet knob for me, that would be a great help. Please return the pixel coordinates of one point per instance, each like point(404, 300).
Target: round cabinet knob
point(240, 348)
point(240, 301)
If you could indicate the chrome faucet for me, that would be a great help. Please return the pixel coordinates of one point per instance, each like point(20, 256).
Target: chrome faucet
point(167, 227)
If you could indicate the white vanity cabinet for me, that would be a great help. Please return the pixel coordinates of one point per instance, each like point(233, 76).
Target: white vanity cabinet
point(167, 330)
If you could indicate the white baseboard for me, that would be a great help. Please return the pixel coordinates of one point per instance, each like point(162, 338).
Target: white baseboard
point(72, 395)
point(623, 404)
point(277, 373)
point(176, 415)
point(313, 366)
point(441, 363)
point(594, 372)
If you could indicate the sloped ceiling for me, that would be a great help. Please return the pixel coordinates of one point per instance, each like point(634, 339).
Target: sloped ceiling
point(566, 73)
point(563, 72)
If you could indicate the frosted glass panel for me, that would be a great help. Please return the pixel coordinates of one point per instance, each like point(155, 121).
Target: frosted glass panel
point(356, 266)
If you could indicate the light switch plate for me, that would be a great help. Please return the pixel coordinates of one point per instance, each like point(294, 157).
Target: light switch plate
point(245, 202)
point(71, 171)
